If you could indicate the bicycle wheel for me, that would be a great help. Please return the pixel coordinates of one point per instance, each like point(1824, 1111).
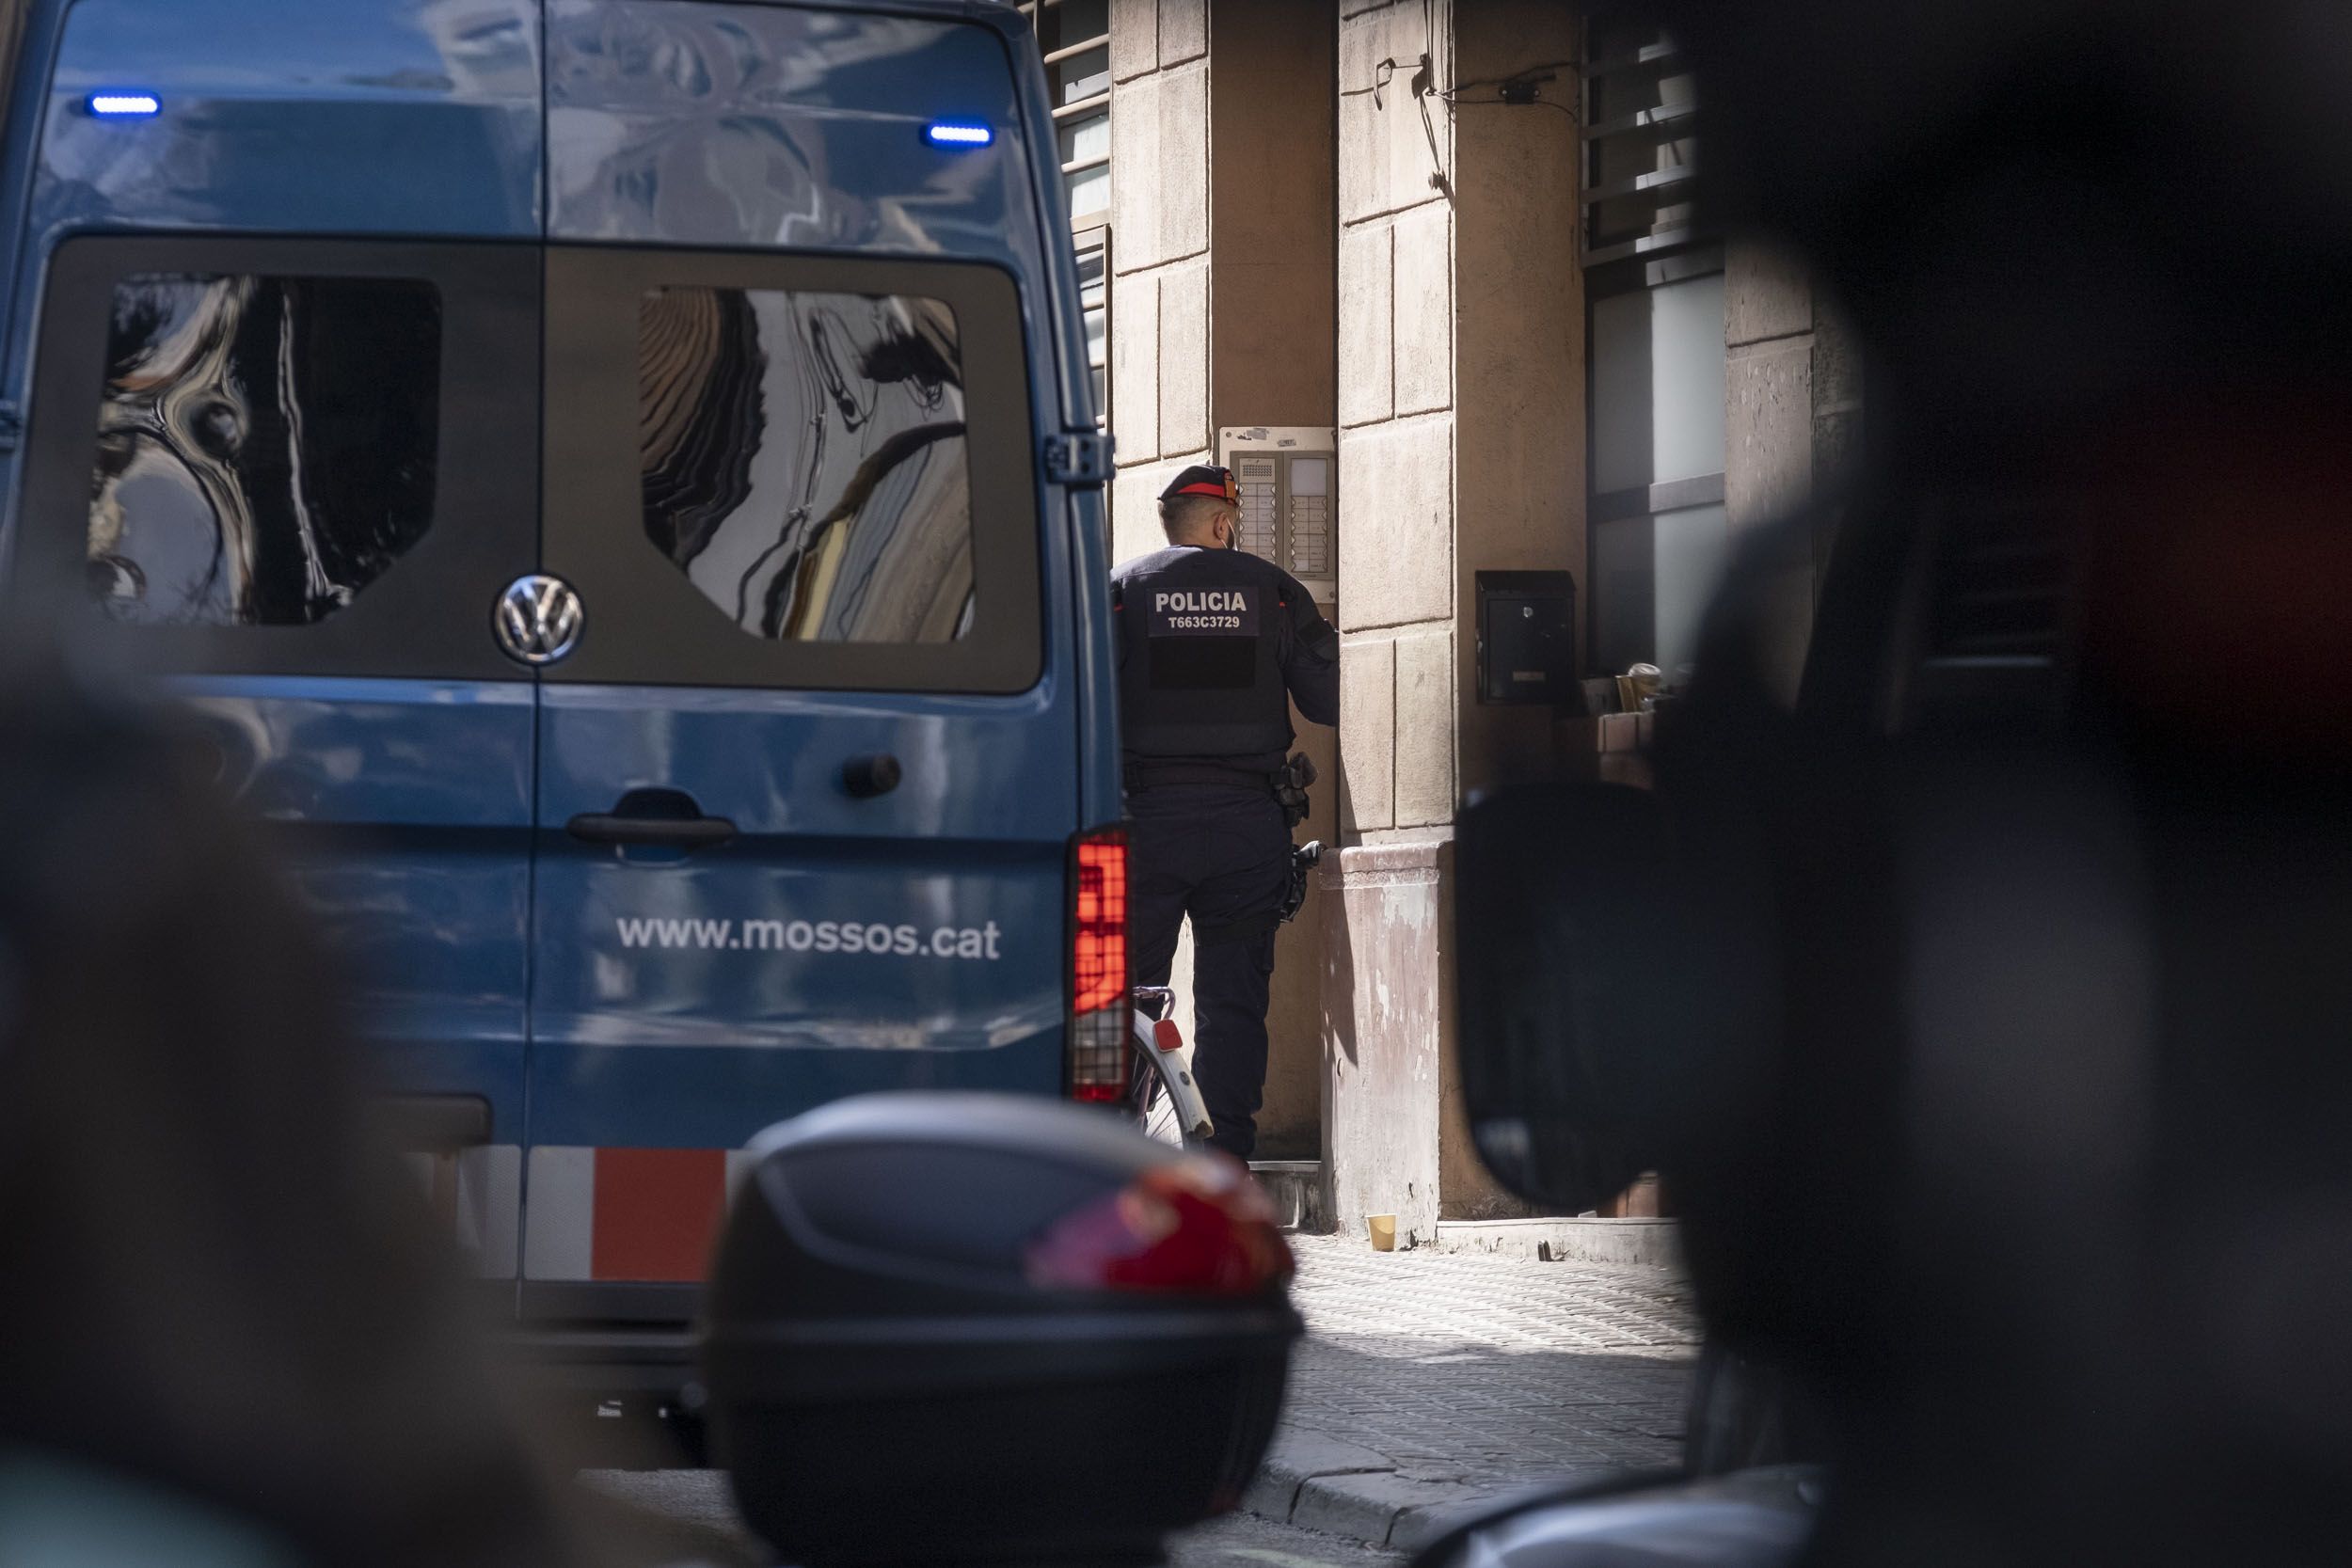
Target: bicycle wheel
point(1152, 1106)
point(1159, 1121)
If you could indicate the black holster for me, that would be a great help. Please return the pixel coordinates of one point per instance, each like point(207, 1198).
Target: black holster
point(1289, 782)
point(1303, 859)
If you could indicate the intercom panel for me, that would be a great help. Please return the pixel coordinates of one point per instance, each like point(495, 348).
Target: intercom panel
point(1288, 476)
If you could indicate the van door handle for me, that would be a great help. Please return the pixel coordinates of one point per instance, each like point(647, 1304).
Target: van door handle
point(867, 777)
point(665, 816)
point(687, 833)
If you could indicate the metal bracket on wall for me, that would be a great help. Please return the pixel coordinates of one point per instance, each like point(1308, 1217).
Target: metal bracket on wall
point(1080, 459)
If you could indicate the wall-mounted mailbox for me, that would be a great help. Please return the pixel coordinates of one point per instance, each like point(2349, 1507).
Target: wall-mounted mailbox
point(1526, 636)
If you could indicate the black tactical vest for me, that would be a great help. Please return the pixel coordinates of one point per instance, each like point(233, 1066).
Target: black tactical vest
point(1201, 642)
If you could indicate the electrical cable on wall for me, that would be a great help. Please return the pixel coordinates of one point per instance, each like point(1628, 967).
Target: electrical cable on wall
point(1381, 73)
point(1438, 180)
point(1423, 89)
point(1520, 89)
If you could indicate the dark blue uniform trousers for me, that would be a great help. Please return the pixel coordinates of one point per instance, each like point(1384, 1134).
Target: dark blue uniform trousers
point(1220, 854)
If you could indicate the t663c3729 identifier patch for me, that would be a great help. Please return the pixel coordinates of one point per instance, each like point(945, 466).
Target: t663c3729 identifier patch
point(1203, 613)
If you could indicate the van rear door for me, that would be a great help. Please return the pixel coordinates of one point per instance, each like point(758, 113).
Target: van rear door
point(807, 784)
point(805, 797)
point(285, 470)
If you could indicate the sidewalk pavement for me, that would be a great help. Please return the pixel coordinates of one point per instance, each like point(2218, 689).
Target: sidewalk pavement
point(1430, 1382)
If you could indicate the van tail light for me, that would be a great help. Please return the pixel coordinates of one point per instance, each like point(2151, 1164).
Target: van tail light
point(1096, 1057)
point(1197, 1224)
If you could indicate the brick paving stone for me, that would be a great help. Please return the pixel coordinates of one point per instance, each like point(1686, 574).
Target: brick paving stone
point(1480, 1372)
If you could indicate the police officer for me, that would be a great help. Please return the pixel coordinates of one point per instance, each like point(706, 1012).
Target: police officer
point(1213, 646)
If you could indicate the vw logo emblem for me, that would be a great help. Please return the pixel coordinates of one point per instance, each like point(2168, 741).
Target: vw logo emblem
point(539, 619)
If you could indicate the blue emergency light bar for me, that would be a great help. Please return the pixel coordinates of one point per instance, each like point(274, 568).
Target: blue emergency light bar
point(958, 132)
point(124, 105)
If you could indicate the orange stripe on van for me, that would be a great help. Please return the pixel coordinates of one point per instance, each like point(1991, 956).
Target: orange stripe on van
point(657, 1212)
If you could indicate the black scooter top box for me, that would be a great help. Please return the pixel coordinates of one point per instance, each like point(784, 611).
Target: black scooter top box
point(966, 1328)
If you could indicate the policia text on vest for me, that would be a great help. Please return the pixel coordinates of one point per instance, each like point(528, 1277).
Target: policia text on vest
point(1214, 645)
point(1211, 609)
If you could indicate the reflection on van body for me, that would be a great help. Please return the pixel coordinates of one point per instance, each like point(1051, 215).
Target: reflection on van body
point(265, 445)
point(804, 460)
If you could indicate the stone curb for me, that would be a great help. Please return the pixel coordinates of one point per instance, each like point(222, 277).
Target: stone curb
point(1625, 1242)
point(1320, 1482)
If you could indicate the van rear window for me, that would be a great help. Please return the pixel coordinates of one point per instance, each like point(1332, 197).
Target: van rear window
point(774, 470)
point(803, 460)
point(267, 446)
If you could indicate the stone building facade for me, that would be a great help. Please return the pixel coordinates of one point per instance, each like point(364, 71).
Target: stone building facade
point(1456, 234)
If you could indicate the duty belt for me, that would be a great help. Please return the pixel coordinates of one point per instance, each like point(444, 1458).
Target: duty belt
point(1148, 772)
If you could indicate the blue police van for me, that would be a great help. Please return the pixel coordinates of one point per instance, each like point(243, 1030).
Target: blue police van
point(614, 485)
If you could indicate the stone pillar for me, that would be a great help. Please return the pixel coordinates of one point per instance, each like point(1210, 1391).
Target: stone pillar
point(1387, 991)
point(1792, 412)
point(1461, 340)
point(1384, 940)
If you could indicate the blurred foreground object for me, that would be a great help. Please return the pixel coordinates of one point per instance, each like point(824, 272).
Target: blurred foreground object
point(213, 1288)
point(1990, 1013)
point(964, 1328)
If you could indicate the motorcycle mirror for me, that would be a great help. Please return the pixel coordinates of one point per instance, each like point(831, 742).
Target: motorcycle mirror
point(951, 1328)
